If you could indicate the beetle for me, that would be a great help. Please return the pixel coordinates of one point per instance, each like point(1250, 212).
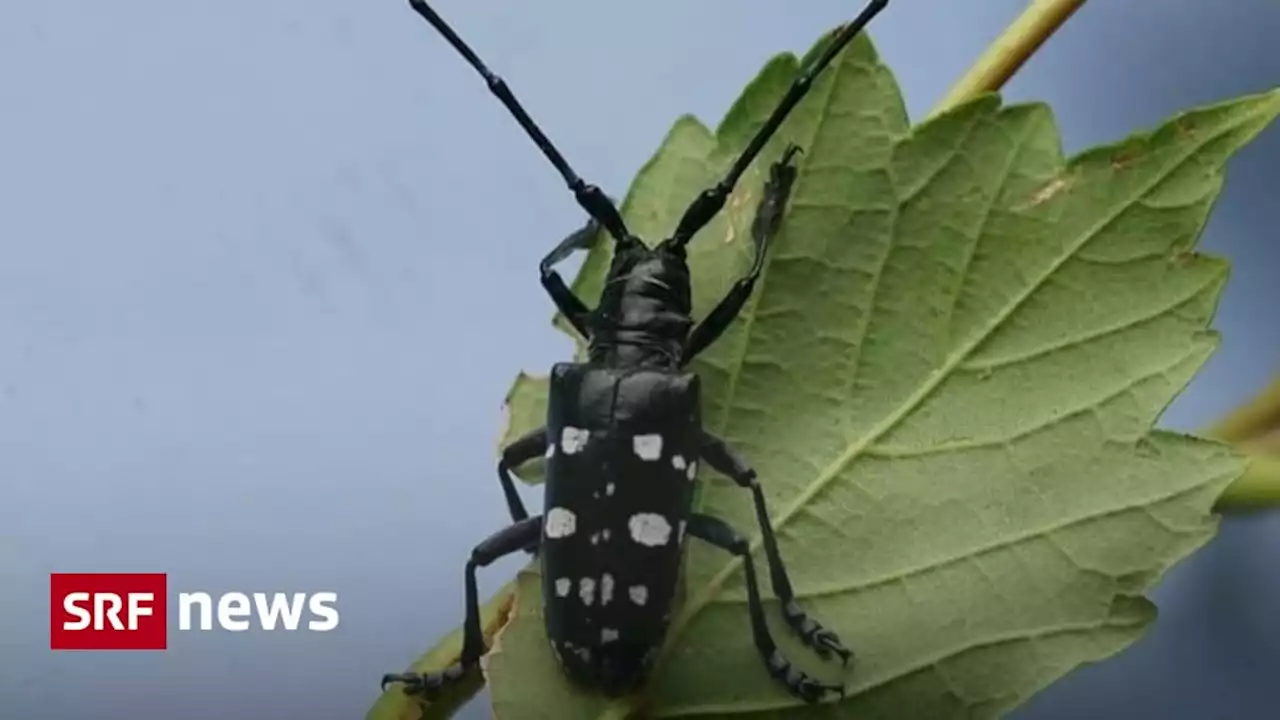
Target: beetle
point(623, 437)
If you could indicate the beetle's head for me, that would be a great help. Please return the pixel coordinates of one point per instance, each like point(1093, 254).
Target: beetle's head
point(646, 304)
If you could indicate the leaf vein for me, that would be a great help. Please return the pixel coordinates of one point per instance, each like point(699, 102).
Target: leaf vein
point(1006, 172)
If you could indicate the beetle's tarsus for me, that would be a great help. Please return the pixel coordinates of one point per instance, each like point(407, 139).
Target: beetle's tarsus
point(823, 641)
point(797, 682)
point(428, 685)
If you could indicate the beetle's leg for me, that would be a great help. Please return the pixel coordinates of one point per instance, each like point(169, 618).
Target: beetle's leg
point(719, 533)
point(511, 539)
point(763, 228)
point(525, 448)
point(728, 461)
point(569, 304)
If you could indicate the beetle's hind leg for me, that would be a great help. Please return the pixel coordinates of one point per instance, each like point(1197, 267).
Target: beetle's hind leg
point(719, 533)
point(513, 538)
point(726, 460)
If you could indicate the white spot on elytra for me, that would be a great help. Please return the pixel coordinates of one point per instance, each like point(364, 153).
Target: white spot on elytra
point(608, 489)
point(647, 447)
point(692, 472)
point(562, 587)
point(573, 439)
point(677, 462)
point(551, 450)
point(560, 522)
point(649, 529)
point(605, 534)
point(639, 594)
point(606, 589)
point(587, 591)
point(595, 538)
point(608, 635)
point(581, 652)
point(680, 534)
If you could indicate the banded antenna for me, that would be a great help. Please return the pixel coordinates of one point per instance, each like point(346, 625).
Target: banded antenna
point(590, 197)
point(711, 200)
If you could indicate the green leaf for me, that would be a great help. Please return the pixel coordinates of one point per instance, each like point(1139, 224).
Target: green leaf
point(947, 380)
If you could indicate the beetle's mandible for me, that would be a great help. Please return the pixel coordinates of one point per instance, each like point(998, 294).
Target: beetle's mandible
point(623, 438)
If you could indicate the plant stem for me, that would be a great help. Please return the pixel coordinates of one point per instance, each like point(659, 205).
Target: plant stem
point(1007, 54)
point(1254, 429)
point(1257, 489)
point(1259, 417)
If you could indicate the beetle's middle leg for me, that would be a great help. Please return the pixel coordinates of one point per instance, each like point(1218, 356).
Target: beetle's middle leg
point(525, 448)
point(522, 450)
point(726, 460)
point(511, 539)
point(763, 229)
point(719, 533)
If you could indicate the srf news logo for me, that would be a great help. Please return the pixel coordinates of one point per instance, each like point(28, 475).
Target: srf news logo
point(130, 611)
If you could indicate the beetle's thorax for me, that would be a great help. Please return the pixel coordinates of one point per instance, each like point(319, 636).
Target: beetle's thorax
point(643, 318)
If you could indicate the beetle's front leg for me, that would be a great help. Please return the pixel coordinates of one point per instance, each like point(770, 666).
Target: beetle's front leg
point(511, 539)
point(569, 304)
point(719, 533)
point(727, 461)
point(763, 229)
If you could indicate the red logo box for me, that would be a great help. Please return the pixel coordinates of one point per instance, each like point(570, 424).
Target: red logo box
point(108, 611)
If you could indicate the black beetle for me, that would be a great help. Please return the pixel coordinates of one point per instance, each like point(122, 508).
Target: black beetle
point(623, 437)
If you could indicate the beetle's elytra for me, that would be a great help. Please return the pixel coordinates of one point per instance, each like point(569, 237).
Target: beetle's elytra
point(624, 439)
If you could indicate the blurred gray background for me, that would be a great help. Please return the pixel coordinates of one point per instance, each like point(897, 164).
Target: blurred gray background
point(267, 270)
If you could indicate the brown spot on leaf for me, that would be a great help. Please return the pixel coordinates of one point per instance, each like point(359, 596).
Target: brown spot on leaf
point(1122, 160)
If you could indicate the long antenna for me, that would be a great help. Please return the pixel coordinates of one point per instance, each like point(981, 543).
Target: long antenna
point(590, 197)
point(712, 199)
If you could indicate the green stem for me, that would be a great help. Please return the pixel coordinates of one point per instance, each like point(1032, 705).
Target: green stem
point(1254, 429)
point(1259, 417)
point(1007, 54)
point(1257, 489)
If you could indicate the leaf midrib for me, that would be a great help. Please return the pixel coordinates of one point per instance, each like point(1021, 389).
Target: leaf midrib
point(932, 382)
